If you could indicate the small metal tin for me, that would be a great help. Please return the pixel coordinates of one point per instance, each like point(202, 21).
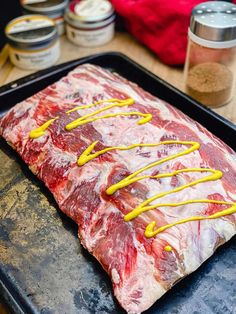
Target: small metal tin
point(33, 42)
point(54, 9)
point(90, 23)
point(214, 21)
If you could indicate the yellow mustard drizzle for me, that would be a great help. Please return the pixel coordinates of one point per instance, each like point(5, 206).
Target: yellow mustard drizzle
point(216, 174)
point(82, 120)
point(145, 117)
point(168, 248)
point(87, 155)
point(115, 103)
point(41, 130)
point(150, 232)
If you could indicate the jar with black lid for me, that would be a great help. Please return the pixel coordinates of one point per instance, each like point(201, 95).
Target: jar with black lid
point(33, 42)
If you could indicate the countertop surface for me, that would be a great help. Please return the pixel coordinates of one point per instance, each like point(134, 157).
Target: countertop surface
point(126, 44)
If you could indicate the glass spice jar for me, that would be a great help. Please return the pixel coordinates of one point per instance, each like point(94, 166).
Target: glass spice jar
point(211, 56)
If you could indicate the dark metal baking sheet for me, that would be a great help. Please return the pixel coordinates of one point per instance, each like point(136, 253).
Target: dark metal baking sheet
point(44, 269)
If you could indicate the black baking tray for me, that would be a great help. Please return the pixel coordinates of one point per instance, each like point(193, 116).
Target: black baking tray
point(45, 269)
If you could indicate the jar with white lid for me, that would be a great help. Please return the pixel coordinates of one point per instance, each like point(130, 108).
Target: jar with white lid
point(210, 64)
point(33, 42)
point(54, 9)
point(90, 23)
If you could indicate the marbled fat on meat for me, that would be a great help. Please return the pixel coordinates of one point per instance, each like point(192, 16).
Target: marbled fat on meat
point(140, 269)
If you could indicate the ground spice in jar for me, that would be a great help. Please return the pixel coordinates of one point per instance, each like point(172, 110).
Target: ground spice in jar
point(210, 83)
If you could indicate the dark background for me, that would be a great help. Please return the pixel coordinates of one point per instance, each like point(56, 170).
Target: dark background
point(9, 9)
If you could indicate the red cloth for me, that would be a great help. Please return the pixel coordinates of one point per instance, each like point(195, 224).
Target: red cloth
point(161, 25)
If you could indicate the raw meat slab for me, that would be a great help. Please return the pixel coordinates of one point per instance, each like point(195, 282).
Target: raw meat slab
point(140, 269)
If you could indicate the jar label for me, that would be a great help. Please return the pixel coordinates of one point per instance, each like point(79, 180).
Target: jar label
point(90, 38)
point(35, 60)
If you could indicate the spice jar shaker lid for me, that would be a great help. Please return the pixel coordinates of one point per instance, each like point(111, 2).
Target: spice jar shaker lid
point(214, 23)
